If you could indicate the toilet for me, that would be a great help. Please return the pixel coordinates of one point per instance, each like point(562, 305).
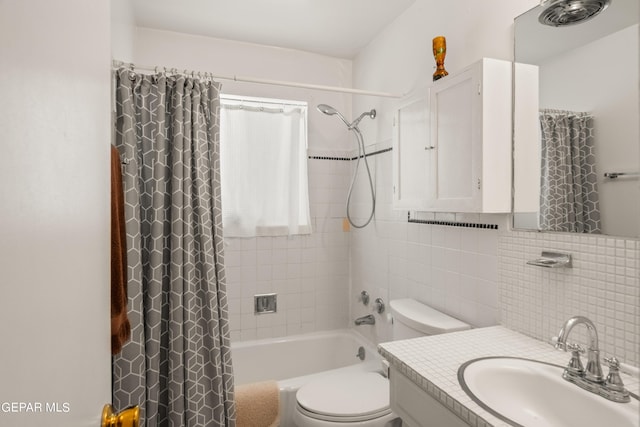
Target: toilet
point(361, 399)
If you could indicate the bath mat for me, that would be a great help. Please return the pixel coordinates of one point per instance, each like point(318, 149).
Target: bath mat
point(258, 404)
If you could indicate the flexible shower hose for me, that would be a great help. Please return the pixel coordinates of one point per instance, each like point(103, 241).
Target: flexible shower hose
point(361, 154)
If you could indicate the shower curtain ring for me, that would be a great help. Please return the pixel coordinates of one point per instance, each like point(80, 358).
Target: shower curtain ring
point(132, 73)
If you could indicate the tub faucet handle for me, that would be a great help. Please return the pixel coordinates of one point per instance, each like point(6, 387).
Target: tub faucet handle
point(364, 297)
point(378, 306)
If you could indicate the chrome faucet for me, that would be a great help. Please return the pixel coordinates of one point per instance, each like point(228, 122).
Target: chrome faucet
point(590, 378)
point(366, 320)
point(593, 370)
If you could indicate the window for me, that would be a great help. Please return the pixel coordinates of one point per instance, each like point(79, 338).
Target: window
point(264, 167)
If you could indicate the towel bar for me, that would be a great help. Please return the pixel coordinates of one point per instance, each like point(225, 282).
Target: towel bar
point(614, 175)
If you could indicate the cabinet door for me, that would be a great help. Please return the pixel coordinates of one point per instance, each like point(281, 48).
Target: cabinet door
point(416, 407)
point(455, 134)
point(453, 141)
point(471, 133)
point(411, 152)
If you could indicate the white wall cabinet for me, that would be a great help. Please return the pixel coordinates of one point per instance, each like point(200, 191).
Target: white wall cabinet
point(464, 161)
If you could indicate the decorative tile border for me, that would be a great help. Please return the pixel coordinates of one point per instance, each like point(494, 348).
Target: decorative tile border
point(329, 158)
point(339, 158)
point(452, 223)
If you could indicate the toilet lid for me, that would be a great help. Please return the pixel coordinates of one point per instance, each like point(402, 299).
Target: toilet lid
point(423, 318)
point(362, 395)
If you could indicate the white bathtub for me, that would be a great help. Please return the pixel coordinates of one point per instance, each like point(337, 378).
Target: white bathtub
point(295, 360)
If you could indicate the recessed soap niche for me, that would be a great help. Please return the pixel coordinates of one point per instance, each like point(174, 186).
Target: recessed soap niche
point(265, 303)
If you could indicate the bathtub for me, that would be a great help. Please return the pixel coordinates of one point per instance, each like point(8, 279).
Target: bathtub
point(295, 360)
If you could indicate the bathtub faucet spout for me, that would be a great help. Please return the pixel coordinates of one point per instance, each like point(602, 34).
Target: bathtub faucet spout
point(366, 320)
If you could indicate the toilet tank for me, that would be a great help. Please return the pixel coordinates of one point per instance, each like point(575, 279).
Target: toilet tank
point(413, 319)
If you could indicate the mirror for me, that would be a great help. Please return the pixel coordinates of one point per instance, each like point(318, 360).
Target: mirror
point(576, 133)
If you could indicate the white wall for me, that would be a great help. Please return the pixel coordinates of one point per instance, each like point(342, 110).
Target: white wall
point(479, 276)
point(122, 30)
point(454, 269)
point(229, 58)
point(54, 228)
point(401, 57)
point(310, 274)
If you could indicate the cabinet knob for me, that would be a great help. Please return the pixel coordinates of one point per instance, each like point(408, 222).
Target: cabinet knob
point(430, 147)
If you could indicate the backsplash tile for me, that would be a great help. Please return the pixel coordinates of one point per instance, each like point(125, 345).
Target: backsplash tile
point(603, 285)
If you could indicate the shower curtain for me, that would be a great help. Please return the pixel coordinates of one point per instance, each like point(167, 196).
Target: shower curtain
point(568, 192)
point(177, 366)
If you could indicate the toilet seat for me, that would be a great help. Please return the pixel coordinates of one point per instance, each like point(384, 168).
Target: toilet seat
point(354, 397)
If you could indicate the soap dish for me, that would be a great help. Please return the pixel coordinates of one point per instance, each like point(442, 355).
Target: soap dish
point(552, 260)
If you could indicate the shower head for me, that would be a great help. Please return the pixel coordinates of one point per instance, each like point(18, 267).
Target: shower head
point(327, 109)
point(560, 13)
point(330, 111)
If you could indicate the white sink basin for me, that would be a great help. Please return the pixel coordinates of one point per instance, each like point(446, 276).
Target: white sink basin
point(533, 394)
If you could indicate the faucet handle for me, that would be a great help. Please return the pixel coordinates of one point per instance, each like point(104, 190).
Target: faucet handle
point(575, 348)
point(613, 383)
point(575, 367)
point(364, 297)
point(613, 362)
point(379, 305)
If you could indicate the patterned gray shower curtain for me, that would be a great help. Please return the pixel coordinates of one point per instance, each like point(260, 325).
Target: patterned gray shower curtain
point(177, 366)
point(568, 190)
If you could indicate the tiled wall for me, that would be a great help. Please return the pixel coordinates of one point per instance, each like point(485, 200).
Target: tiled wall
point(603, 285)
point(453, 268)
point(477, 275)
point(309, 273)
point(481, 275)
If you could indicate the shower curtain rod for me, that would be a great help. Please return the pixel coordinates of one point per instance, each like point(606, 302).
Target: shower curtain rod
point(247, 79)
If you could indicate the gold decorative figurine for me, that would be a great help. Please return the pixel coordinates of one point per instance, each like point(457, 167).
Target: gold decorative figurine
point(439, 52)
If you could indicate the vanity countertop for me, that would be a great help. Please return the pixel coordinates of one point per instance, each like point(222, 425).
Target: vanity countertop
point(432, 363)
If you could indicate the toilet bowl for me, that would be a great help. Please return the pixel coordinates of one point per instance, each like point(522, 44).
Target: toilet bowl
point(361, 399)
point(355, 399)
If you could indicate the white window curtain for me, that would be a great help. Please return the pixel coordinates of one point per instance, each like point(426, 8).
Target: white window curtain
point(264, 167)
